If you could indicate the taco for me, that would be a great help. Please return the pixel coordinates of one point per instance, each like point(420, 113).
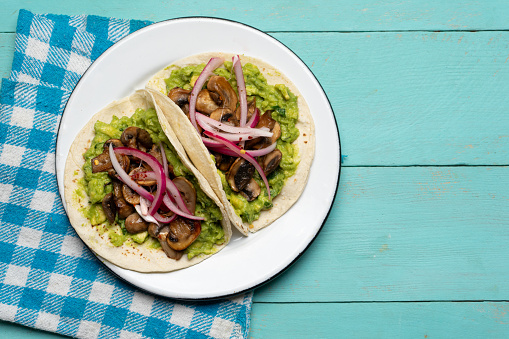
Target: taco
point(259, 131)
point(134, 197)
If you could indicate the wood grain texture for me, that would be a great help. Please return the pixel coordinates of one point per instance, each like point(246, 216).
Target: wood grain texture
point(381, 320)
point(414, 98)
point(407, 234)
point(281, 15)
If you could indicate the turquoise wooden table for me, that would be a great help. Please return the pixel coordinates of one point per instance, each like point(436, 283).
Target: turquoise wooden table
point(416, 244)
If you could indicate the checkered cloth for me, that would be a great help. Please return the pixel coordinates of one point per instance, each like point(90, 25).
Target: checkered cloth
point(48, 279)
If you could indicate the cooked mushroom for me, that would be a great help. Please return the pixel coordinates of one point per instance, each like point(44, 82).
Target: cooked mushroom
point(223, 162)
point(240, 174)
point(130, 195)
point(267, 121)
point(251, 107)
point(137, 174)
point(115, 142)
point(170, 252)
point(251, 191)
point(153, 230)
point(182, 233)
point(222, 87)
point(205, 103)
point(271, 161)
point(124, 209)
point(155, 151)
point(102, 163)
point(109, 207)
point(134, 223)
point(179, 96)
point(224, 115)
point(276, 133)
point(136, 137)
point(187, 191)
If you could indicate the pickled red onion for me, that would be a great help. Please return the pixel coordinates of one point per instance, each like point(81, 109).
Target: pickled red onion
point(241, 88)
point(156, 167)
point(243, 154)
point(207, 71)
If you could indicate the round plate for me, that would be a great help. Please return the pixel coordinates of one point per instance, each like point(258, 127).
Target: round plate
point(246, 262)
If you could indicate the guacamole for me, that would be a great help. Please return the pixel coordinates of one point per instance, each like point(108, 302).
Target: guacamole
point(284, 106)
point(97, 185)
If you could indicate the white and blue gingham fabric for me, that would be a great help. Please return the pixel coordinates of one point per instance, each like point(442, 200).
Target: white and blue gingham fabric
point(48, 278)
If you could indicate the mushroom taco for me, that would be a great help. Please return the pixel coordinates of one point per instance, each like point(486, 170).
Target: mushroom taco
point(131, 206)
point(259, 131)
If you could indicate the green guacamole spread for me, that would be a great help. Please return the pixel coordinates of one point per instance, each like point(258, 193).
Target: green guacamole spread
point(285, 111)
point(97, 185)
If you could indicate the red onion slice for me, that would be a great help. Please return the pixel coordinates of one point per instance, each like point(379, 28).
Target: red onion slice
point(144, 204)
point(126, 178)
point(254, 118)
point(241, 88)
point(242, 153)
point(167, 201)
point(254, 153)
point(147, 218)
point(207, 71)
point(156, 167)
point(165, 161)
point(180, 208)
point(209, 124)
point(164, 220)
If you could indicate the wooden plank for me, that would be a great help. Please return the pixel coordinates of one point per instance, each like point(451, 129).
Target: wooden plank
point(280, 15)
point(407, 234)
point(414, 98)
point(6, 53)
point(381, 320)
point(16, 331)
point(447, 91)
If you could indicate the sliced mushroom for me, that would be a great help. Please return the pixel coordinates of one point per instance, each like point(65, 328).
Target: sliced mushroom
point(155, 151)
point(182, 233)
point(205, 103)
point(224, 115)
point(115, 142)
point(251, 107)
point(130, 195)
point(223, 162)
point(187, 191)
point(109, 207)
point(179, 96)
point(251, 191)
point(170, 252)
point(224, 90)
point(271, 161)
point(136, 137)
point(267, 121)
point(138, 175)
point(102, 162)
point(276, 133)
point(124, 209)
point(134, 223)
point(240, 174)
point(153, 230)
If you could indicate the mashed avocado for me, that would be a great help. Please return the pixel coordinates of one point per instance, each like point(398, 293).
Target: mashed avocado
point(285, 109)
point(97, 185)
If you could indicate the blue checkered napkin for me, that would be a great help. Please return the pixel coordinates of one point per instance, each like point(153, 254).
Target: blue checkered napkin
point(48, 279)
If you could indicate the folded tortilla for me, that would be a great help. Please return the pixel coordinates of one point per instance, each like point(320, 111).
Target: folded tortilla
point(198, 153)
point(132, 256)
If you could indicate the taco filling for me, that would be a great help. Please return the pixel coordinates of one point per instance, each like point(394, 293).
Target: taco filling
point(139, 191)
point(248, 126)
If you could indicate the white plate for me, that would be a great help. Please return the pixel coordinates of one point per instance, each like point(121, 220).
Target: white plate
point(246, 262)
